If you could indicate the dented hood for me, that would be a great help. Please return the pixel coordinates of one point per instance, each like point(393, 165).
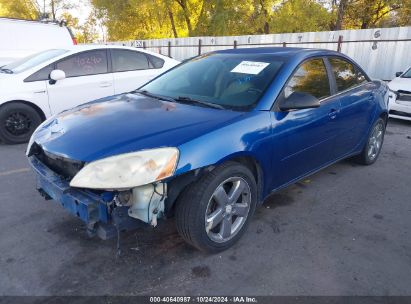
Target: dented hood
point(126, 123)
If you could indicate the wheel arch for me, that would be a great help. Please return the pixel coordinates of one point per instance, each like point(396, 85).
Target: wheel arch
point(384, 115)
point(177, 185)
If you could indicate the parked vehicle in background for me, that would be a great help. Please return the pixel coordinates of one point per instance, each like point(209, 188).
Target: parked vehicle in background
point(21, 38)
point(400, 95)
point(209, 140)
point(46, 83)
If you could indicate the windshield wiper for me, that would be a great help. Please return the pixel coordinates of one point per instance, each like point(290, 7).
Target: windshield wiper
point(7, 71)
point(148, 94)
point(187, 99)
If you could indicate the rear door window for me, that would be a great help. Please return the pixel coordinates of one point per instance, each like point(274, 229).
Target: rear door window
point(346, 74)
point(127, 60)
point(85, 63)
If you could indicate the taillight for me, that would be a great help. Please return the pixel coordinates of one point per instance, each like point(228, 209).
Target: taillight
point(74, 41)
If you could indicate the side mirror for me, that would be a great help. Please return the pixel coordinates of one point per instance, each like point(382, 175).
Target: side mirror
point(398, 74)
point(298, 101)
point(56, 75)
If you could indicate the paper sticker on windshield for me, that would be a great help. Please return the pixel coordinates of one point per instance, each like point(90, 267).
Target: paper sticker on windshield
point(250, 67)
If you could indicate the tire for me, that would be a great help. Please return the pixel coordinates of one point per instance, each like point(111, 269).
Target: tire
point(204, 200)
point(368, 157)
point(17, 122)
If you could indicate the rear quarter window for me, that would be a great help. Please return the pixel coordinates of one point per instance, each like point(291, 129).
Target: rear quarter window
point(155, 62)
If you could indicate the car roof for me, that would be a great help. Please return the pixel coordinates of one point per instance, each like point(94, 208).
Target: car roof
point(279, 51)
point(86, 47)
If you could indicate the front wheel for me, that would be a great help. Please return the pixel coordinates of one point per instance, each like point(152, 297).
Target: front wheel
point(17, 122)
point(373, 146)
point(214, 212)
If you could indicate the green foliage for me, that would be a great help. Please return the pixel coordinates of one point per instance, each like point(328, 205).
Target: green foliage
point(301, 16)
point(22, 9)
point(144, 19)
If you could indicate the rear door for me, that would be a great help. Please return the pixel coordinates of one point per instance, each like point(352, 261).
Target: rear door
point(87, 79)
point(355, 93)
point(132, 69)
point(303, 140)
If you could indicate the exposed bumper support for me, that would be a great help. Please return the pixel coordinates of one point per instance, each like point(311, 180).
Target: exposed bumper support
point(99, 211)
point(88, 206)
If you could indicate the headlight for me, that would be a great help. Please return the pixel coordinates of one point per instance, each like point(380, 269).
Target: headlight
point(128, 170)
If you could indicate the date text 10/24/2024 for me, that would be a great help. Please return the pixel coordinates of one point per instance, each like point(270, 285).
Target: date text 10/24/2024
point(203, 299)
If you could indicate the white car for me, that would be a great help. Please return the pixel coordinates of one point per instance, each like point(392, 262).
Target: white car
point(36, 87)
point(21, 38)
point(400, 95)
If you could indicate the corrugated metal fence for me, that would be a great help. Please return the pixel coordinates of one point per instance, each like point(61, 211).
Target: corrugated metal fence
point(381, 51)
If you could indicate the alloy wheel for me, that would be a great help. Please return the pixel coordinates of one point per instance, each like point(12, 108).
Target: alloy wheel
point(227, 209)
point(17, 123)
point(375, 141)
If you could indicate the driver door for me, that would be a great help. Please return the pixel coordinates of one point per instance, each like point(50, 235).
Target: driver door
point(304, 139)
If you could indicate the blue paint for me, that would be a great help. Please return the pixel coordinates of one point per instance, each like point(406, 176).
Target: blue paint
point(286, 145)
point(86, 205)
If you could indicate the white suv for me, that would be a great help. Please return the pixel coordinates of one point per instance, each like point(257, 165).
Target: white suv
point(44, 84)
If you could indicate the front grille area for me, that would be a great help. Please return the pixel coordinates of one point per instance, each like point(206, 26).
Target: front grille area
point(404, 95)
point(64, 167)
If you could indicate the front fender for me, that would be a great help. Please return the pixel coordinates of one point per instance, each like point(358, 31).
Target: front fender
point(250, 137)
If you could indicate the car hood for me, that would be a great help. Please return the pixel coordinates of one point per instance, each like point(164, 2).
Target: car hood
point(126, 123)
point(400, 83)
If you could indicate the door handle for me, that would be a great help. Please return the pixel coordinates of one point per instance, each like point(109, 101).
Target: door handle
point(105, 84)
point(333, 114)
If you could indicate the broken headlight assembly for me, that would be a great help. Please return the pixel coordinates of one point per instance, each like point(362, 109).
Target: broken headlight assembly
point(126, 171)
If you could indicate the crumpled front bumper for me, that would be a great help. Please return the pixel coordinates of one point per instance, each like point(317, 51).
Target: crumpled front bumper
point(88, 206)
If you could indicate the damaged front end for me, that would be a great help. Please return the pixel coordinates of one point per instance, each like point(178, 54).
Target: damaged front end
point(105, 212)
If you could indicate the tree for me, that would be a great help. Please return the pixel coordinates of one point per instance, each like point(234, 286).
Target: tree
point(369, 13)
point(60, 5)
point(300, 16)
point(22, 9)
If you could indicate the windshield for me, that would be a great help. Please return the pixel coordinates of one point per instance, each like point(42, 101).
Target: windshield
point(231, 80)
point(32, 60)
point(407, 74)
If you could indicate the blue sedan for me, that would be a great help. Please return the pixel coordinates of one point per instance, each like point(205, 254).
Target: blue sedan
point(209, 140)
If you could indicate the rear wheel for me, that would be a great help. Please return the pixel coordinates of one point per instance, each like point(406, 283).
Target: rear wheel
point(214, 212)
point(373, 146)
point(17, 122)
